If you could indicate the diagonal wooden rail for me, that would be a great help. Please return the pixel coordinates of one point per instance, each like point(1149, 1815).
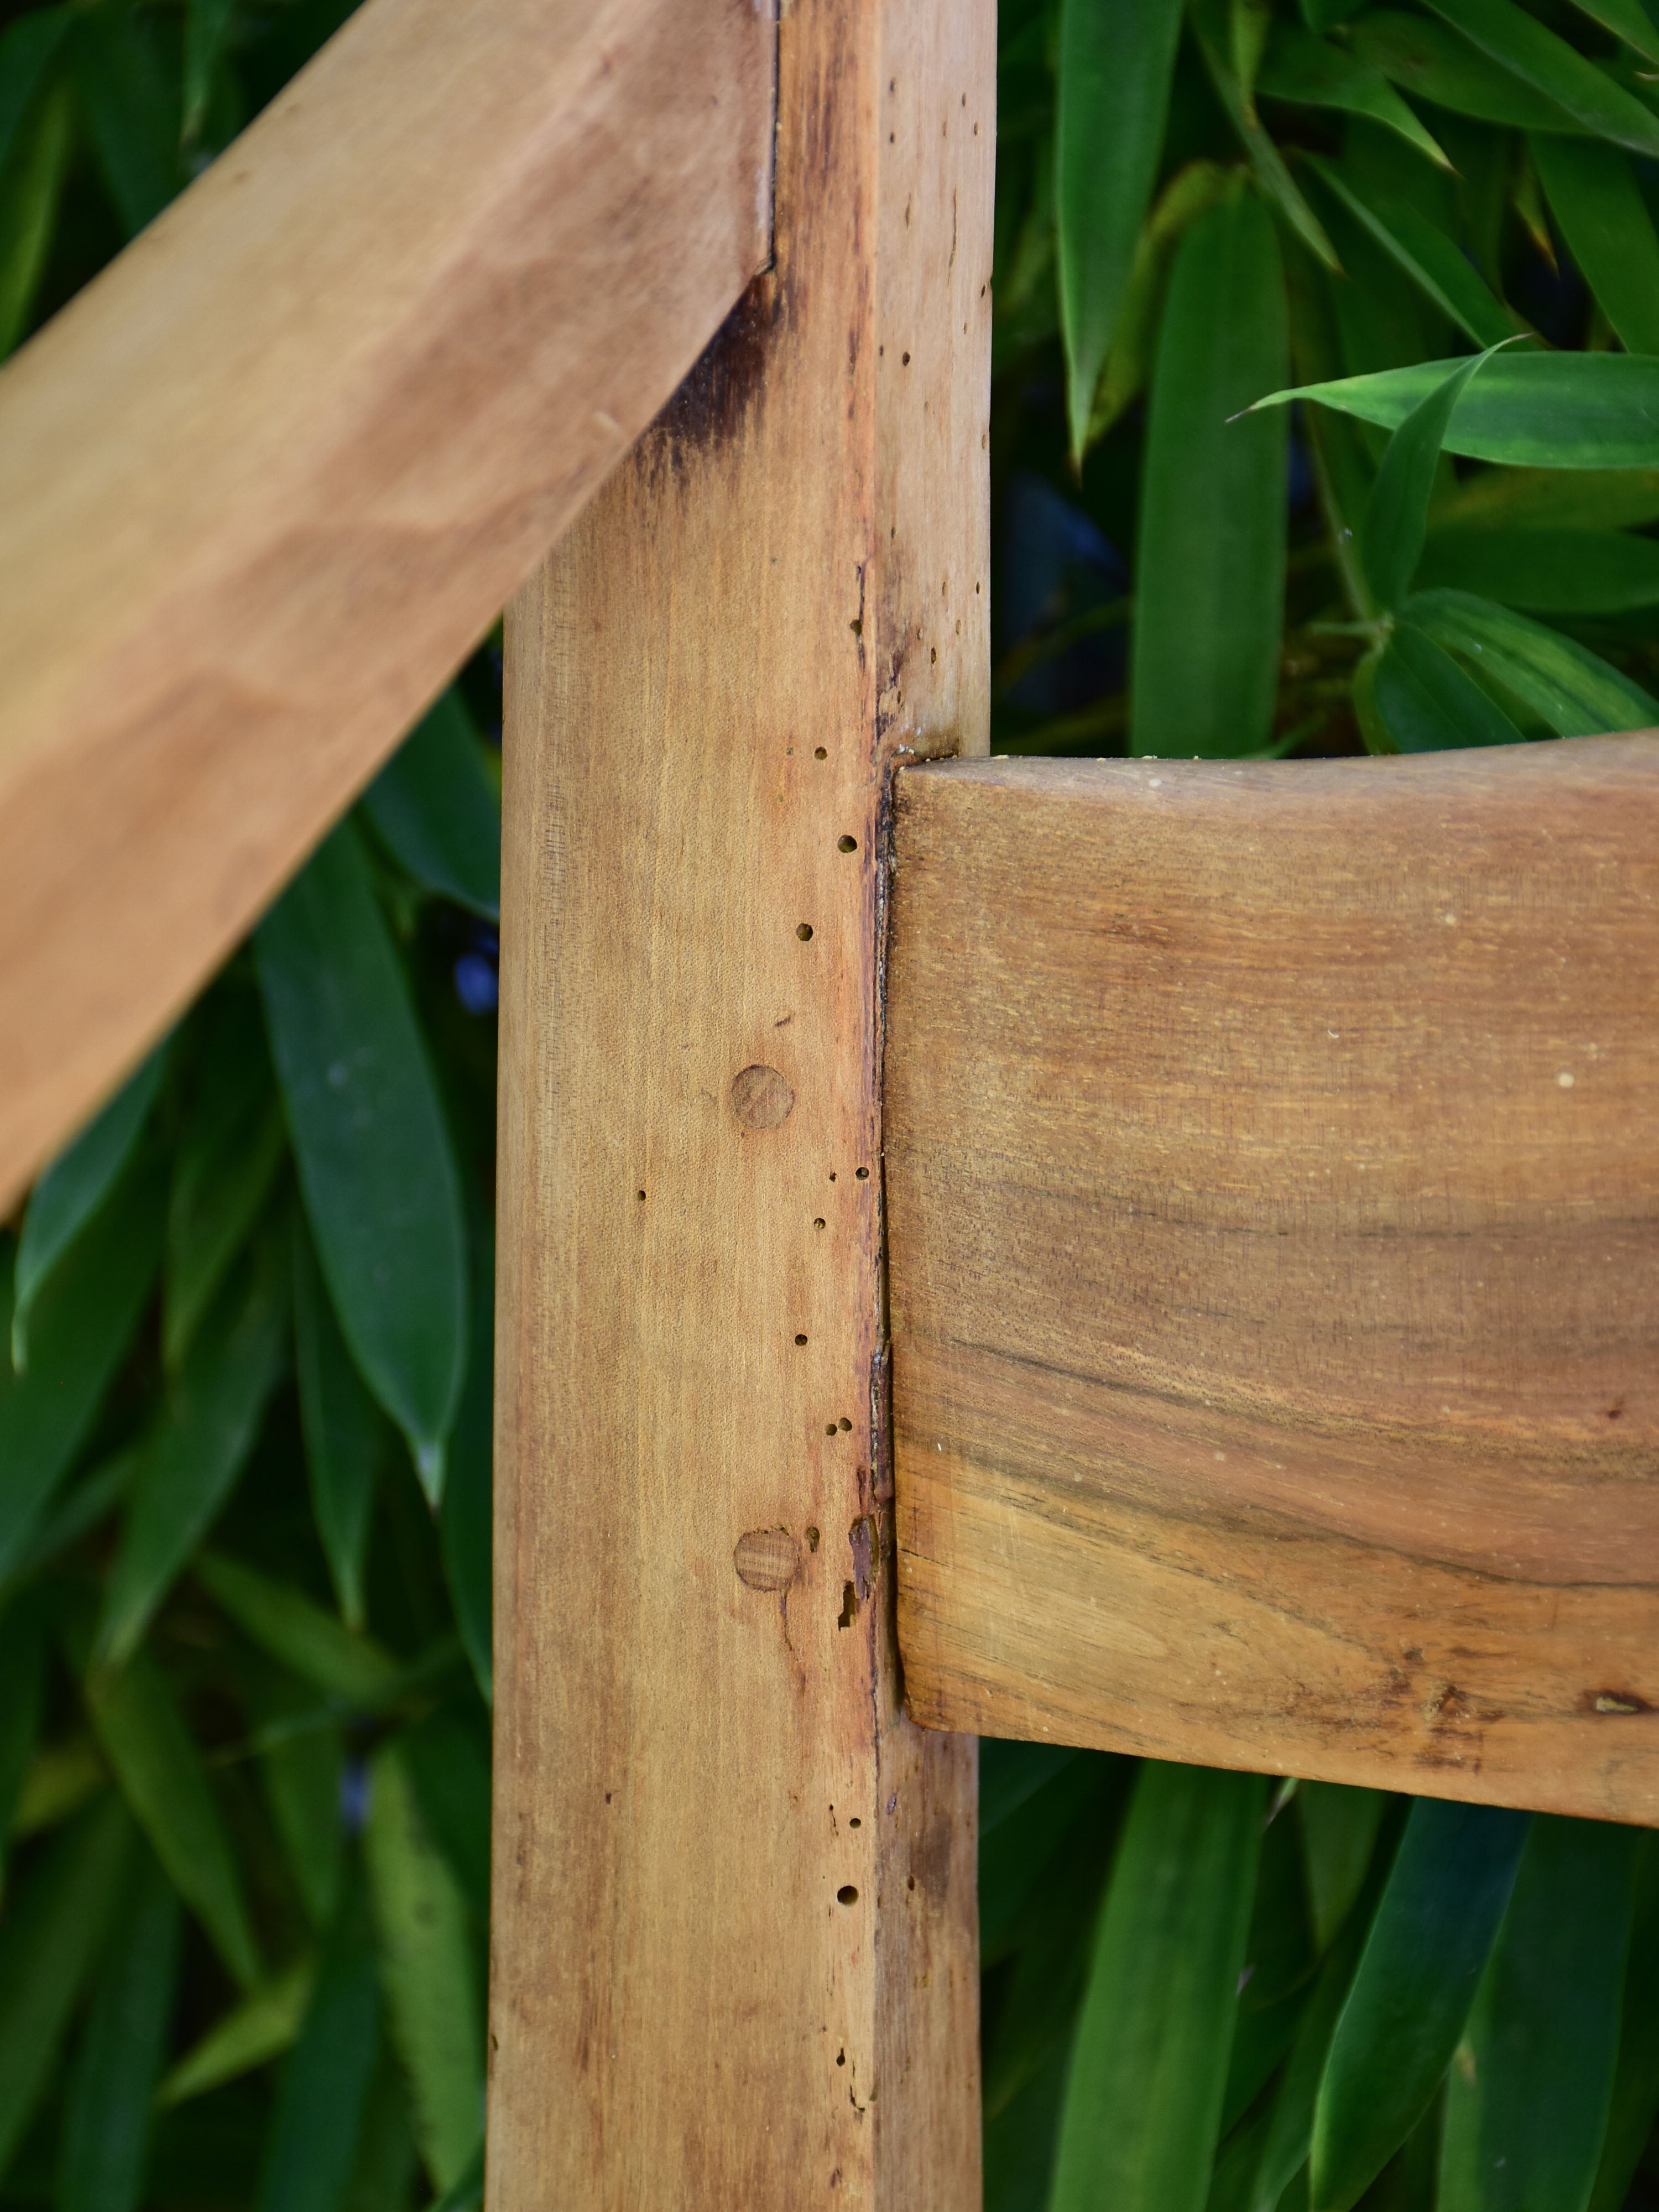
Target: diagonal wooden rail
point(268, 479)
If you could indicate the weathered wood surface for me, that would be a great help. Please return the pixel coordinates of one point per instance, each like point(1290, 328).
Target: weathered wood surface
point(1274, 1263)
point(266, 482)
point(734, 1928)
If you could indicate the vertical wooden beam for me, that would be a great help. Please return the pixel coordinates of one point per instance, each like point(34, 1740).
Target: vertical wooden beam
point(734, 1915)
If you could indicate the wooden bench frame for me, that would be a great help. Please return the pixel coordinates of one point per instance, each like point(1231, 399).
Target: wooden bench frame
point(704, 297)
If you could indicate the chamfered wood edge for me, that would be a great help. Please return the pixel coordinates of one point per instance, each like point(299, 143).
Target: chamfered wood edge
point(265, 483)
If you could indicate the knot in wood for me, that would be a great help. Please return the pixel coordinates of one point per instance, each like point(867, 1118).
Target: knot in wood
point(761, 1097)
point(766, 1559)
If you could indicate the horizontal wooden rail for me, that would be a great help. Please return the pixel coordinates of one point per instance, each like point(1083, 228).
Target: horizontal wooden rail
point(264, 483)
point(1273, 1253)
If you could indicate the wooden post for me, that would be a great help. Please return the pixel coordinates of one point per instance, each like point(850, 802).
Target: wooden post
point(734, 1929)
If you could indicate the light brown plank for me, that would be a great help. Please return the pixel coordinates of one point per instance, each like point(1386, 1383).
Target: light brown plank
point(1274, 1263)
point(733, 1928)
point(266, 482)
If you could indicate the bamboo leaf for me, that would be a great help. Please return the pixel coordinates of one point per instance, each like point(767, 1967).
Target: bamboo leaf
point(1280, 1965)
point(426, 1972)
point(373, 1153)
point(132, 113)
point(80, 1509)
point(146, 1741)
point(465, 2192)
point(1019, 2142)
point(49, 1941)
point(1520, 43)
point(344, 1433)
point(312, 2149)
point(1551, 499)
point(1372, 728)
point(1605, 221)
point(467, 1521)
point(1396, 519)
point(29, 46)
point(1312, 72)
point(1210, 28)
point(1149, 2065)
point(1411, 1992)
point(1116, 58)
point(1339, 1842)
point(200, 1445)
point(61, 1778)
point(1635, 2097)
point(448, 1764)
point(252, 2035)
point(1427, 703)
point(1570, 687)
point(1192, 189)
point(435, 809)
point(82, 1325)
point(1435, 265)
point(1248, 24)
point(206, 22)
point(1564, 572)
point(1208, 610)
point(1430, 60)
point(31, 190)
point(1048, 1930)
point(1289, 2136)
point(74, 1186)
point(1527, 2099)
point(1628, 20)
point(299, 1634)
point(302, 1765)
point(111, 2083)
point(231, 1144)
point(1560, 410)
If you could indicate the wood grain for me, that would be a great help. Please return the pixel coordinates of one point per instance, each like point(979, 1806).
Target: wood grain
point(266, 482)
point(1274, 1263)
point(734, 1927)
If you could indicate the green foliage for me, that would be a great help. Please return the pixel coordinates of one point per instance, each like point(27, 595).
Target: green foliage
point(1407, 182)
point(1148, 2071)
point(372, 1153)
